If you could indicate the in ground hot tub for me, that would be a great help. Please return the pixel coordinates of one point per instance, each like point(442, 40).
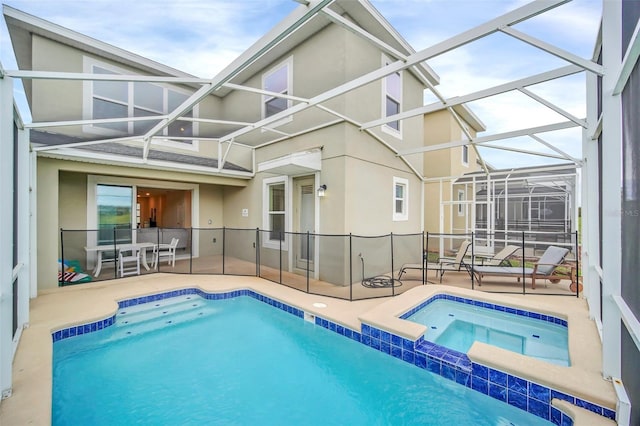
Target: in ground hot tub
point(456, 322)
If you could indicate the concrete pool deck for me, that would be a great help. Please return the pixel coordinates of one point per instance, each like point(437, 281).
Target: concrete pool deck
point(73, 305)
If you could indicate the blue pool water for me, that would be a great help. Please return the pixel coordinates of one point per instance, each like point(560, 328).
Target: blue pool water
point(238, 361)
point(457, 325)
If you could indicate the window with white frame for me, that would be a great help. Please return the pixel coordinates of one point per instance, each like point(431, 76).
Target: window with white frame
point(120, 99)
point(391, 100)
point(275, 210)
point(278, 80)
point(465, 155)
point(461, 202)
point(400, 199)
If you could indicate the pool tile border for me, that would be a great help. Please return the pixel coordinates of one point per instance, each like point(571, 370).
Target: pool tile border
point(456, 366)
point(480, 304)
point(90, 327)
point(450, 364)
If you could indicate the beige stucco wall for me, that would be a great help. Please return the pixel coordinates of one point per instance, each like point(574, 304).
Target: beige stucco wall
point(366, 103)
point(211, 209)
point(60, 100)
point(358, 171)
point(47, 224)
point(441, 127)
point(55, 100)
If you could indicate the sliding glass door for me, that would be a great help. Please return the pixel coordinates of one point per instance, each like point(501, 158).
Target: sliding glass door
point(115, 213)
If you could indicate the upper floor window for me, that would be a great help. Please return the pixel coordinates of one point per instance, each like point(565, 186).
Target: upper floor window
point(400, 199)
point(465, 155)
point(120, 99)
point(391, 100)
point(278, 80)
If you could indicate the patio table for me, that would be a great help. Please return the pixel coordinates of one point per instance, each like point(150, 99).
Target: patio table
point(99, 250)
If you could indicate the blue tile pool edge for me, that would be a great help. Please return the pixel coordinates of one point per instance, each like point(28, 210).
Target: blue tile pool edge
point(480, 304)
point(437, 359)
point(90, 327)
point(521, 393)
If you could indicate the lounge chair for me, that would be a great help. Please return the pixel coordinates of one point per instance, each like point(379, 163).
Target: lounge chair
point(545, 268)
point(442, 265)
point(499, 259)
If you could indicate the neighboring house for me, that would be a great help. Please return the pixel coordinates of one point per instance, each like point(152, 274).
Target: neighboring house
point(463, 194)
point(448, 206)
point(191, 157)
point(526, 199)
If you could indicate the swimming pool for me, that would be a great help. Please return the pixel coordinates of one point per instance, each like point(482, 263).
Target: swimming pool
point(456, 325)
point(239, 361)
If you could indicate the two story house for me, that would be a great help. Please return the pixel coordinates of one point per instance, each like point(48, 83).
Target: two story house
point(126, 145)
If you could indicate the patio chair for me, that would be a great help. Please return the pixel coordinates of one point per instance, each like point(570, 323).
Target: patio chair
point(129, 260)
point(545, 268)
point(443, 264)
point(499, 259)
point(166, 251)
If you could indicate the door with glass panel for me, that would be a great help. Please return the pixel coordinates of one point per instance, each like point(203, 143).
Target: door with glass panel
point(304, 222)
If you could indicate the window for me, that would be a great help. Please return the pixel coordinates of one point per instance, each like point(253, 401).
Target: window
point(114, 205)
point(465, 155)
point(461, 200)
point(275, 210)
point(400, 199)
point(391, 100)
point(119, 99)
point(277, 80)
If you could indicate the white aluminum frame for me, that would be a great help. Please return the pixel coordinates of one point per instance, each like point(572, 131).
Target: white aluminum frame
point(21, 272)
point(611, 185)
point(413, 60)
point(614, 80)
point(7, 276)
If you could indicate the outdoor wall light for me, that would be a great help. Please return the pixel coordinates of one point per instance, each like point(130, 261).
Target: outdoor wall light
point(321, 190)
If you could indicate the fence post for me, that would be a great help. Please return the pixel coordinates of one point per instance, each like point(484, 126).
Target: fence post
point(224, 235)
point(280, 237)
point(157, 253)
point(308, 237)
point(350, 268)
point(191, 252)
point(393, 287)
point(62, 258)
point(524, 256)
point(577, 265)
point(115, 253)
point(257, 252)
point(473, 258)
point(425, 257)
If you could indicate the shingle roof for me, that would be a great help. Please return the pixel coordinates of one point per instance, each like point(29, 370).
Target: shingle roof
point(118, 149)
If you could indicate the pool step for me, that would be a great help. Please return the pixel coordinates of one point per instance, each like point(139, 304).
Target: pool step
point(139, 319)
point(149, 311)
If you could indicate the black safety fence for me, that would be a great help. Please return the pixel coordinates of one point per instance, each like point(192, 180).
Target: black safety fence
point(350, 267)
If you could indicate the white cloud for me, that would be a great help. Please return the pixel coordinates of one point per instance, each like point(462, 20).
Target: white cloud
point(200, 38)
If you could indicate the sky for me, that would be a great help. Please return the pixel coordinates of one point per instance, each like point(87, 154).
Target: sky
point(201, 37)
